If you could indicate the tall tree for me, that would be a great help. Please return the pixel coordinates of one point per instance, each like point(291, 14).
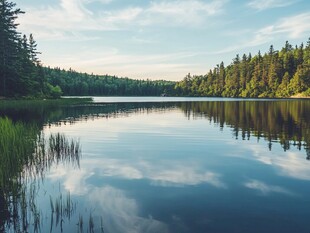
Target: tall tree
point(9, 38)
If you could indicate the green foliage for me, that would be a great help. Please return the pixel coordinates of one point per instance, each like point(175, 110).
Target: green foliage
point(306, 93)
point(73, 83)
point(54, 92)
point(283, 90)
point(274, 74)
point(20, 70)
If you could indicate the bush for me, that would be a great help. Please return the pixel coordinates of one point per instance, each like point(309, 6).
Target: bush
point(54, 92)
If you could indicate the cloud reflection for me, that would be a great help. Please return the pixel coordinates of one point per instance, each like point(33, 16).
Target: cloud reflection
point(184, 176)
point(121, 212)
point(74, 180)
point(266, 189)
point(288, 163)
point(160, 173)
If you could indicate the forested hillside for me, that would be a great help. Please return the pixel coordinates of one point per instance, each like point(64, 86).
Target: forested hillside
point(82, 84)
point(281, 73)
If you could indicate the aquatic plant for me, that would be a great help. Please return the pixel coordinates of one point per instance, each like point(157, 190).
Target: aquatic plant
point(24, 159)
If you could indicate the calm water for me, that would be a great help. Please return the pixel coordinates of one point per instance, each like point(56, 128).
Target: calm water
point(184, 165)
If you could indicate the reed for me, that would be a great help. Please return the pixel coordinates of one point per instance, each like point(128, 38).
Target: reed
point(25, 156)
point(64, 151)
point(80, 224)
point(17, 143)
point(91, 225)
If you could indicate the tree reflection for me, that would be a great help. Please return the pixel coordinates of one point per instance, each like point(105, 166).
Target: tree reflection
point(284, 122)
point(277, 121)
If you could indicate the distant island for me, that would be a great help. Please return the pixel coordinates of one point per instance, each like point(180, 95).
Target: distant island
point(274, 74)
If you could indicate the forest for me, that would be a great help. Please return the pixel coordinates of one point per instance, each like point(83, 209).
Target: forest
point(73, 83)
point(280, 74)
point(283, 73)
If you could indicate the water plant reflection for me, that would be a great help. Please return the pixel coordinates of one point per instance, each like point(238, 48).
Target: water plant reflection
point(25, 157)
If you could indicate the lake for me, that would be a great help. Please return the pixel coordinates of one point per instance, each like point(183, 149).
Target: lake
point(157, 165)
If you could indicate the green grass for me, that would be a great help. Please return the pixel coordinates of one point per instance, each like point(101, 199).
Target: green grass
point(43, 102)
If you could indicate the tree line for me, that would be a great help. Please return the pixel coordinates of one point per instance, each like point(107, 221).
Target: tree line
point(73, 83)
point(281, 73)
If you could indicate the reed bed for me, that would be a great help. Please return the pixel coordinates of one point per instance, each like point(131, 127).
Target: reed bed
point(17, 143)
point(25, 155)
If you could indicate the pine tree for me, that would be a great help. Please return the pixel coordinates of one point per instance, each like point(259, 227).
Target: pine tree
point(282, 90)
point(299, 82)
point(33, 50)
point(9, 40)
point(273, 80)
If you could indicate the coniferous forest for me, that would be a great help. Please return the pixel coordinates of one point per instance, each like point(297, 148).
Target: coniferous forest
point(282, 73)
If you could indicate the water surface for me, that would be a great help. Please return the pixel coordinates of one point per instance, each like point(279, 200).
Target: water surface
point(180, 166)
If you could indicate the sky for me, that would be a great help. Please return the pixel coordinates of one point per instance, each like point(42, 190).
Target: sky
point(159, 39)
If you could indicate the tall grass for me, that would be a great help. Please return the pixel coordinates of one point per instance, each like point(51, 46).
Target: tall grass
point(17, 143)
point(25, 155)
point(43, 102)
point(63, 150)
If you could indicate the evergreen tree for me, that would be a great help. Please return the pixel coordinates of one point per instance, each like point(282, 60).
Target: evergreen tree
point(9, 38)
point(275, 74)
point(299, 83)
point(282, 90)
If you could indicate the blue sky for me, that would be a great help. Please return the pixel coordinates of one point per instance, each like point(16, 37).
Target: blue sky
point(159, 39)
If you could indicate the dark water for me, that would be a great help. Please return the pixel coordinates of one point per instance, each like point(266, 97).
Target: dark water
point(194, 166)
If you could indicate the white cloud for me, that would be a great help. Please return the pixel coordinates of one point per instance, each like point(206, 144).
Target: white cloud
point(79, 18)
point(100, 1)
point(112, 61)
point(267, 4)
point(266, 189)
point(74, 9)
point(181, 12)
point(293, 27)
point(123, 17)
point(76, 21)
point(297, 26)
point(68, 19)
